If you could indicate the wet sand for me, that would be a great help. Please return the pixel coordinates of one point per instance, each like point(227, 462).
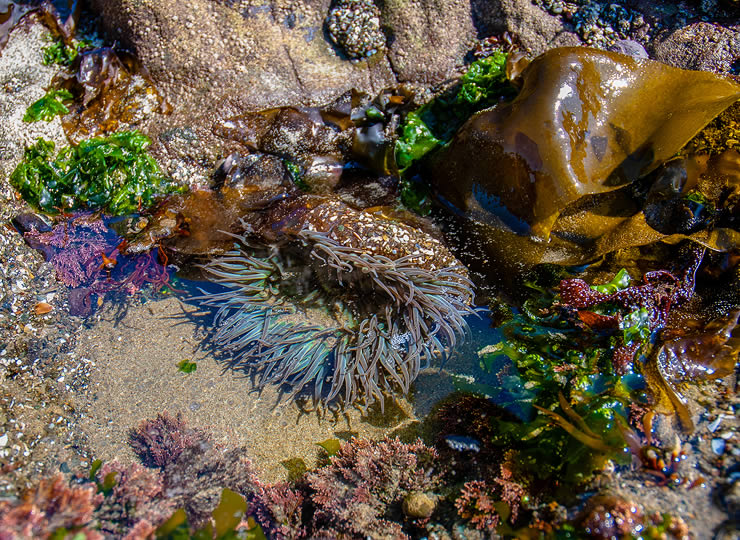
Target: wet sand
point(136, 376)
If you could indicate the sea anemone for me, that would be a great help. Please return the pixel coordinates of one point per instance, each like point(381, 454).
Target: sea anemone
point(348, 298)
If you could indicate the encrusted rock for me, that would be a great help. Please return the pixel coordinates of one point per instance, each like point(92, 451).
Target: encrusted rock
point(701, 46)
point(354, 25)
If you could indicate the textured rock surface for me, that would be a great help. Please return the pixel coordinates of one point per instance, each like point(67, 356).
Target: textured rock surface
point(259, 55)
point(536, 30)
point(427, 39)
point(276, 53)
point(216, 58)
point(704, 46)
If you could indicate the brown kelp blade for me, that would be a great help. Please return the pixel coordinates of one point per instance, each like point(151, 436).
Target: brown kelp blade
point(549, 177)
point(586, 121)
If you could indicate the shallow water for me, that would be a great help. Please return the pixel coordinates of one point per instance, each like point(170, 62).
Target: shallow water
point(136, 377)
point(105, 374)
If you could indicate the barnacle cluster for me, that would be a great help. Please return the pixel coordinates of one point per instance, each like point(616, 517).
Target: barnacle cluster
point(350, 299)
point(599, 24)
point(354, 25)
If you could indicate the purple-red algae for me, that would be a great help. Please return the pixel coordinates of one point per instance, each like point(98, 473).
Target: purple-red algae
point(52, 505)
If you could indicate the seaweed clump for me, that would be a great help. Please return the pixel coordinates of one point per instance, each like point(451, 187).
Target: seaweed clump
point(63, 54)
point(207, 483)
point(587, 185)
point(112, 173)
point(433, 125)
point(48, 107)
point(85, 254)
point(364, 490)
point(560, 394)
point(483, 84)
point(53, 506)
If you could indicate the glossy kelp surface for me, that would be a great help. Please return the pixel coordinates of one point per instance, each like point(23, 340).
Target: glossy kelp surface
point(551, 175)
point(112, 92)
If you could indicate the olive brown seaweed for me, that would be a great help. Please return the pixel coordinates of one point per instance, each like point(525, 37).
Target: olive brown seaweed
point(546, 177)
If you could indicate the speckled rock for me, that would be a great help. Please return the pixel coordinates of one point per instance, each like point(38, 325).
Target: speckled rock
point(259, 55)
point(428, 39)
point(702, 46)
point(536, 29)
point(38, 434)
point(214, 59)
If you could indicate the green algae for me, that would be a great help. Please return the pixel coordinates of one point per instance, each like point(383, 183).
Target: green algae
point(296, 175)
point(115, 174)
point(483, 82)
point(61, 54)
point(48, 107)
point(423, 130)
point(331, 446)
point(620, 281)
point(566, 408)
point(186, 366)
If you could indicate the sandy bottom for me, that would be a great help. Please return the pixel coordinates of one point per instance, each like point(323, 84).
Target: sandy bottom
point(136, 376)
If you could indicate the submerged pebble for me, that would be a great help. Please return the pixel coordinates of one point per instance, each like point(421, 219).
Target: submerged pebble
point(718, 446)
point(630, 47)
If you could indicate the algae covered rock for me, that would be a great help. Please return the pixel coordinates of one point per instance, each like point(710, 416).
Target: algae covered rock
point(548, 176)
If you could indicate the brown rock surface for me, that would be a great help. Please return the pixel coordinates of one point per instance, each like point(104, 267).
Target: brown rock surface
point(700, 46)
point(428, 39)
point(260, 56)
point(276, 53)
point(536, 30)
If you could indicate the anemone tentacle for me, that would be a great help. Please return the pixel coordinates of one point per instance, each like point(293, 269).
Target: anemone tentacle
point(379, 302)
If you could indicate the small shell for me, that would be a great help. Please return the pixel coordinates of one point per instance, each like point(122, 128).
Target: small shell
point(41, 308)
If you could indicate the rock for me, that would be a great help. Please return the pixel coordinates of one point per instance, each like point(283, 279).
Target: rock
point(699, 46)
point(536, 30)
point(216, 59)
point(630, 47)
point(259, 56)
point(279, 54)
point(428, 39)
point(213, 60)
point(418, 505)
